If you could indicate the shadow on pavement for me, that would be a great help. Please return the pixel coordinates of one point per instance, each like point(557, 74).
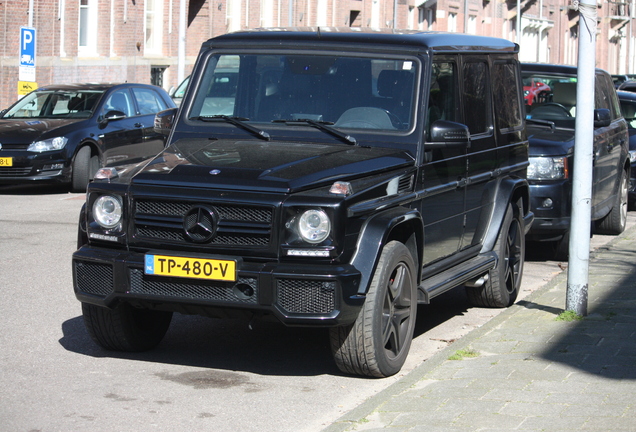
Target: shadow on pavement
point(604, 342)
point(34, 189)
point(269, 348)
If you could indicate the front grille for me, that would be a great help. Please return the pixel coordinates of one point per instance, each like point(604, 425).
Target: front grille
point(306, 296)
point(13, 172)
point(93, 278)
point(233, 292)
point(245, 226)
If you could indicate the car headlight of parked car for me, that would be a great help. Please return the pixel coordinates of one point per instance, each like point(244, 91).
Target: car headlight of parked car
point(107, 211)
point(56, 143)
point(548, 168)
point(314, 226)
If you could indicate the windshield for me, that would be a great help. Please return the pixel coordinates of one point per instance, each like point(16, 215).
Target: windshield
point(550, 97)
point(55, 104)
point(287, 90)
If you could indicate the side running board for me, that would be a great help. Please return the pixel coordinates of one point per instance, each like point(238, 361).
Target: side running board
point(468, 271)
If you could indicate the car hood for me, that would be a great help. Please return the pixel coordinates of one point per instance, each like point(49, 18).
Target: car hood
point(265, 166)
point(25, 131)
point(547, 142)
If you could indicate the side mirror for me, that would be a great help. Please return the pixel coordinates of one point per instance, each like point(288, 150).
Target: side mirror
point(3, 112)
point(448, 134)
point(111, 116)
point(602, 117)
point(164, 120)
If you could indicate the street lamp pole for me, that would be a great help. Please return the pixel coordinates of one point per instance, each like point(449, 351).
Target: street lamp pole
point(579, 247)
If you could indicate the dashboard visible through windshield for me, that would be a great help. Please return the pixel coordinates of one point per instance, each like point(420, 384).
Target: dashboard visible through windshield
point(343, 92)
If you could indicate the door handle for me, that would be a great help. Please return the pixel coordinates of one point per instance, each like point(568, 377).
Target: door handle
point(138, 125)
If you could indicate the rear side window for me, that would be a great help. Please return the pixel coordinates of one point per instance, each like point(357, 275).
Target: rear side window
point(506, 96)
point(148, 101)
point(475, 97)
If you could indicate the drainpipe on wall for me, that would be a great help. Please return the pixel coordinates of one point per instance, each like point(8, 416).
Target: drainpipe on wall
point(519, 22)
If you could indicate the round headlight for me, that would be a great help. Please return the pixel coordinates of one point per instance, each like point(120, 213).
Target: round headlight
point(314, 226)
point(107, 211)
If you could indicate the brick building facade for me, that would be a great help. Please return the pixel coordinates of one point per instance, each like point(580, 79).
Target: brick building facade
point(138, 40)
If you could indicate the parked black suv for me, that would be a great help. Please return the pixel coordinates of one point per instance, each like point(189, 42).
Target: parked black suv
point(551, 117)
point(359, 173)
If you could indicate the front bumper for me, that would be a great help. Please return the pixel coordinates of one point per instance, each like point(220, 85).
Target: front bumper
point(28, 167)
point(551, 204)
point(297, 294)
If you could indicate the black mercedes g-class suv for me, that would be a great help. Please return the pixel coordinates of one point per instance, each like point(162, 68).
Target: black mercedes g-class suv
point(324, 177)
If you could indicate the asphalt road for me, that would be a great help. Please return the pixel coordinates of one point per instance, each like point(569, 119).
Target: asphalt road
point(207, 374)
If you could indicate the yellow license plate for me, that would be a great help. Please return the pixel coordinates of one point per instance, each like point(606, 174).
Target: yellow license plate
point(197, 268)
point(6, 161)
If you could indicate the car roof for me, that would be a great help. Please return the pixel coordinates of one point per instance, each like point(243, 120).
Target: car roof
point(626, 95)
point(631, 85)
point(385, 38)
point(553, 69)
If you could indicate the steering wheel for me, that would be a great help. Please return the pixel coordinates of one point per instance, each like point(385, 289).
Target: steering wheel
point(556, 104)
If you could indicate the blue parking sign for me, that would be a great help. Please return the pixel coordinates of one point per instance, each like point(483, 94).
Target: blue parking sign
point(27, 46)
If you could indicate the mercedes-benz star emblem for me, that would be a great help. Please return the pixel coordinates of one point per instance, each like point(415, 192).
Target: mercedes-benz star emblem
point(199, 224)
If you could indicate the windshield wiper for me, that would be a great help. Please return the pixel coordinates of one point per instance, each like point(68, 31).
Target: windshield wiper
point(237, 121)
point(323, 126)
point(542, 122)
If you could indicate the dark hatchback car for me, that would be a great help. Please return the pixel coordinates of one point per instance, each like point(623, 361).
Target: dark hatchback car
point(65, 133)
point(628, 109)
point(550, 123)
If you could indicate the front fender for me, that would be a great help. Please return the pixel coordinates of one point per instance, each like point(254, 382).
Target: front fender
point(398, 223)
point(513, 191)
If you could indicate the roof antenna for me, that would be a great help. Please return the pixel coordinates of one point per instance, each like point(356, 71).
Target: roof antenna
point(318, 29)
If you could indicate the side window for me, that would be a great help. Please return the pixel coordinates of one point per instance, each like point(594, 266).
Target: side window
point(506, 96)
point(605, 95)
point(442, 100)
point(119, 100)
point(148, 101)
point(475, 97)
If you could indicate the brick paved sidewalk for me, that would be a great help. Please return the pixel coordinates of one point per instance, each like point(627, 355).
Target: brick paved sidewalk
point(531, 372)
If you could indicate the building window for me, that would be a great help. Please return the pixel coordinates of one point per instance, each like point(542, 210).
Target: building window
point(472, 25)
point(452, 22)
point(355, 20)
point(154, 27)
point(87, 27)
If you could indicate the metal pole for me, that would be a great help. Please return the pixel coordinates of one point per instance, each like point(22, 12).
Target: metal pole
point(182, 40)
point(578, 268)
point(30, 14)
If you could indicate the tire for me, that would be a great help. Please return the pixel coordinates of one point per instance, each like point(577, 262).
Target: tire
point(502, 286)
point(125, 328)
point(562, 248)
point(378, 342)
point(616, 220)
point(84, 168)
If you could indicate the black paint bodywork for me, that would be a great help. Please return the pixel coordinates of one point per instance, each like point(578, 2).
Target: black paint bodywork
point(445, 200)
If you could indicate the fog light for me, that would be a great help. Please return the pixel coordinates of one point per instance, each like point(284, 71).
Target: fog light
point(547, 203)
